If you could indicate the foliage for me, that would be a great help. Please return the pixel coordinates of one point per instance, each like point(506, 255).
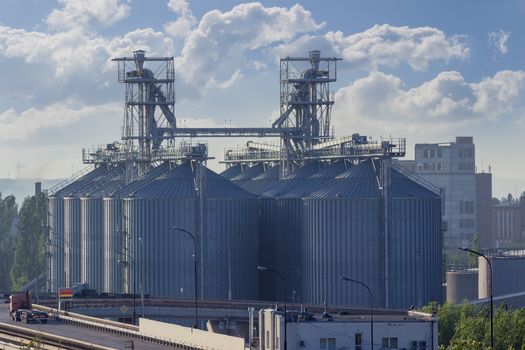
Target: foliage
point(29, 259)
point(8, 211)
point(467, 327)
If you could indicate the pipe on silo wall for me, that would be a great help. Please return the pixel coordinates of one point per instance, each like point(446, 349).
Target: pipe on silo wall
point(56, 238)
point(92, 242)
point(113, 277)
point(72, 240)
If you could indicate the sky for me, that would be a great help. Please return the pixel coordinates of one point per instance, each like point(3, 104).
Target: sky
point(424, 70)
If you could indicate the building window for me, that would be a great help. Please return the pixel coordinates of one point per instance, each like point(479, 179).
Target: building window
point(466, 207)
point(415, 345)
point(358, 340)
point(466, 223)
point(267, 339)
point(439, 166)
point(389, 343)
point(439, 153)
point(277, 343)
point(327, 343)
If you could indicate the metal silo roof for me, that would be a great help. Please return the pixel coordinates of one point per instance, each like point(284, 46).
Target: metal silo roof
point(314, 182)
point(292, 180)
point(402, 186)
point(249, 173)
point(232, 171)
point(113, 180)
point(80, 183)
point(142, 181)
point(180, 183)
point(263, 181)
point(360, 181)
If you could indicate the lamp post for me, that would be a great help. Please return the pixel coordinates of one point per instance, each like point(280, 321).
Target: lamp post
point(491, 296)
point(264, 268)
point(141, 276)
point(346, 279)
point(194, 268)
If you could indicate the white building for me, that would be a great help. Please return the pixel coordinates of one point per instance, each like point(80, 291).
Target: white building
point(451, 167)
point(392, 330)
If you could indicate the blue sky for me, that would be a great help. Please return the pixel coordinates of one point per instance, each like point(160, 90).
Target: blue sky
point(424, 70)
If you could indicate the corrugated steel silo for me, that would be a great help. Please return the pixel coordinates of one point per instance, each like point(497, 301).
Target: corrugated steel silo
point(73, 222)
point(113, 233)
point(92, 225)
point(342, 236)
point(56, 221)
point(280, 226)
point(416, 243)
point(56, 237)
point(228, 242)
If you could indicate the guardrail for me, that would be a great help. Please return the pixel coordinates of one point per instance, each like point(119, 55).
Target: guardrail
point(21, 336)
point(110, 327)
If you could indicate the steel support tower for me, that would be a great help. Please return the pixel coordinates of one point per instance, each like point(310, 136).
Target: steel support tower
point(149, 118)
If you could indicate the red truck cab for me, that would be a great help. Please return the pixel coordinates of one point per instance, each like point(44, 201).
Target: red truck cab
point(21, 309)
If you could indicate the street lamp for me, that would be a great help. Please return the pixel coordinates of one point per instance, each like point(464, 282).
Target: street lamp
point(264, 268)
point(346, 279)
point(491, 296)
point(194, 267)
point(141, 276)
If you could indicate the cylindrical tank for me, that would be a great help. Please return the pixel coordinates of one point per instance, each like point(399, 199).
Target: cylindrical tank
point(342, 237)
point(415, 241)
point(59, 246)
point(503, 265)
point(113, 233)
point(462, 285)
point(280, 227)
point(161, 258)
point(56, 239)
point(345, 232)
point(92, 225)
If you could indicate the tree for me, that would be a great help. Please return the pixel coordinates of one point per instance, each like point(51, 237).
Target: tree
point(8, 211)
point(29, 259)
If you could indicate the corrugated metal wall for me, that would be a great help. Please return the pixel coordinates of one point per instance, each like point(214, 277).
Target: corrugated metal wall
point(167, 259)
point(56, 237)
point(72, 240)
point(281, 221)
point(92, 226)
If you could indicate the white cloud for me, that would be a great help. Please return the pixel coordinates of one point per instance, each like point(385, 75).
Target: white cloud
point(379, 101)
point(185, 22)
point(77, 13)
point(216, 50)
point(18, 126)
point(383, 45)
point(76, 51)
point(498, 41)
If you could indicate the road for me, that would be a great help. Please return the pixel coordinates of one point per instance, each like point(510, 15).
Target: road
point(80, 333)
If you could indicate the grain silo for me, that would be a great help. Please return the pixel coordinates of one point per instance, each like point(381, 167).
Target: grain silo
point(221, 216)
point(415, 244)
point(57, 246)
point(92, 226)
point(281, 226)
point(345, 235)
point(73, 222)
point(342, 236)
point(113, 234)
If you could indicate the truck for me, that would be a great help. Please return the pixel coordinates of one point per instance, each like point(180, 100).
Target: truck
point(21, 309)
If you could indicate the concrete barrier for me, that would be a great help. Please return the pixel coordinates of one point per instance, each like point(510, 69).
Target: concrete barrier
point(195, 338)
